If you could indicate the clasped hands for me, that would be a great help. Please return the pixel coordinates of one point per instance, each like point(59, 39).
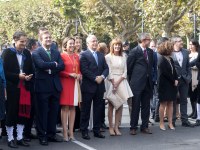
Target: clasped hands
point(76, 76)
point(23, 76)
point(115, 84)
point(99, 79)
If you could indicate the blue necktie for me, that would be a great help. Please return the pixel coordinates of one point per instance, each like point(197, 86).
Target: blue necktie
point(95, 57)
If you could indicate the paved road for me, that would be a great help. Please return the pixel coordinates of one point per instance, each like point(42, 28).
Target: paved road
point(181, 138)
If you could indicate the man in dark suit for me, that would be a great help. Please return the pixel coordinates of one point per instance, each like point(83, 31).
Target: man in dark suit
point(94, 70)
point(181, 62)
point(139, 69)
point(48, 64)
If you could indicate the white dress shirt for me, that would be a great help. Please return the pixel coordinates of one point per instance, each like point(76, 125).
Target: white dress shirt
point(179, 57)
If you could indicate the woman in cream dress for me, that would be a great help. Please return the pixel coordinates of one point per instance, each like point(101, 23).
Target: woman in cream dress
point(116, 80)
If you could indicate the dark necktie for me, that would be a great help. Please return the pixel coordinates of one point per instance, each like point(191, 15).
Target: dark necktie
point(145, 55)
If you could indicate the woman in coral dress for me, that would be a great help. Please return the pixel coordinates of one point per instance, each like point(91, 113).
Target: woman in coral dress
point(70, 95)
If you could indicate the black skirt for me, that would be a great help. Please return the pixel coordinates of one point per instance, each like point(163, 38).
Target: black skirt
point(2, 101)
point(166, 91)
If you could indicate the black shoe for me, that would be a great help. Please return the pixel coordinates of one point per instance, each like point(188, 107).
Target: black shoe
point(22, 143)
point(85, 136)
point(174, 124)
point(187, 124)
point(189, 116)
point(197, 123)
point(194, 115)
point(32, 136)
point(27, 139)
point(165, 119)
point(99, 135)
point(54, 139)
point(58, 131)
point(156, 119)
point(43, 141)
point(12, 144)
point(104, 126)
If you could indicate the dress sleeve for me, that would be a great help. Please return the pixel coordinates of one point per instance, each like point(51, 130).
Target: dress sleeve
point(124, 75)
point(108, 61)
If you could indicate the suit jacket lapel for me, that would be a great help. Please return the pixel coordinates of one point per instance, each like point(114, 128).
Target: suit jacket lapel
point(141, 51)
point(175, 59)
point(44, 54)
point(184, 56)
point(15, 59)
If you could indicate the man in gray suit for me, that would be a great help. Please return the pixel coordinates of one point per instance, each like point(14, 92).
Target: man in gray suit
point(181, 62)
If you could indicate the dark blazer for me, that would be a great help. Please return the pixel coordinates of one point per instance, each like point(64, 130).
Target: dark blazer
point(185, 70)
point(45, 82)
point(90, 70)
point(166, 80)
point(154, 70)
point(138, 70)
point(12, 69)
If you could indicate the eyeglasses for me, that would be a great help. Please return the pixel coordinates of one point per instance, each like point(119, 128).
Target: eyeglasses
point(148, 39)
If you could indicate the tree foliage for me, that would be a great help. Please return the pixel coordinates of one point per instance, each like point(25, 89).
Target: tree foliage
point(29, 15)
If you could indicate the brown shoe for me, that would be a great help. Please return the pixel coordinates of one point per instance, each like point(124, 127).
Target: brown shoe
point(146, 131)
point(133, 132)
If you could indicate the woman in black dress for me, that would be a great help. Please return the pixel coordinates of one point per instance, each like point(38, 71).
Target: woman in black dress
point(167, 83)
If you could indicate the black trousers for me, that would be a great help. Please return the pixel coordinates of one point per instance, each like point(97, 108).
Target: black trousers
point(77, 118)
point(12, 108)
point(192, 94)
point(141, 100)
point(183, 93)
point(87, 99)
point(47, 106)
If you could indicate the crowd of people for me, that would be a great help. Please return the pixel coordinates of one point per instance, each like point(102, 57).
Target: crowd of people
point(40, 84)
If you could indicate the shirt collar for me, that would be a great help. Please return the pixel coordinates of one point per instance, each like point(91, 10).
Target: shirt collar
point(46, 48)
point(142, 48)
point(92, 51)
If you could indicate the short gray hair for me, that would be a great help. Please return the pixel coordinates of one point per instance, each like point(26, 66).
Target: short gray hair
point(89, 37)
point(142, 36)
point(175, 38)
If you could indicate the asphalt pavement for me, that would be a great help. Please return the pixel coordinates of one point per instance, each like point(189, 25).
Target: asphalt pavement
point(181, 138)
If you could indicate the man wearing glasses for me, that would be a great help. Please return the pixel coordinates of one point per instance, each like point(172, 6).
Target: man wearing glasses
point(181, 62)
point(139, 70)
